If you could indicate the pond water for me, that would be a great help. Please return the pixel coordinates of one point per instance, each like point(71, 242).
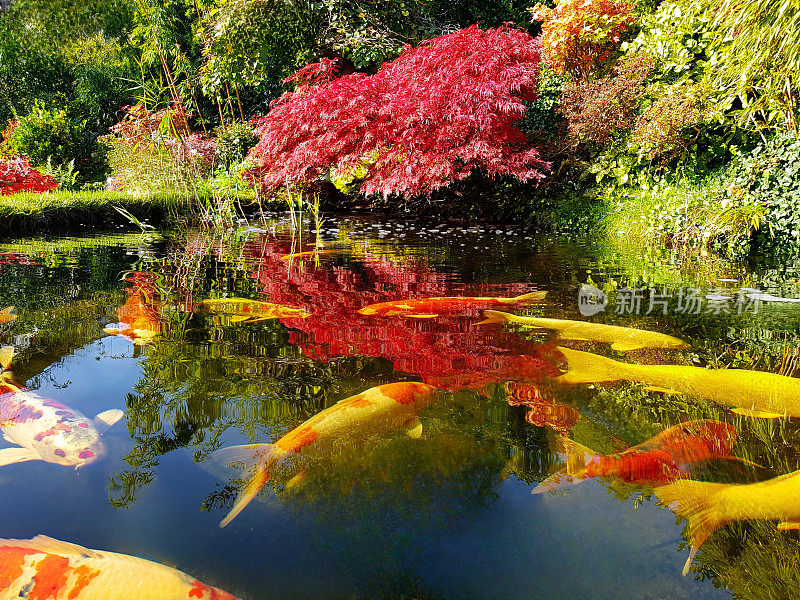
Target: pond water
point(449, 513)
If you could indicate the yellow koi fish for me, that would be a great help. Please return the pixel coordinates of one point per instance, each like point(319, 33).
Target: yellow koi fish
point(309, 254)
point(376, 411)
point(48, 569)
point(709, 506)
point(242, 309)
point(6, 316)
point(620, 338)
point(750, 393)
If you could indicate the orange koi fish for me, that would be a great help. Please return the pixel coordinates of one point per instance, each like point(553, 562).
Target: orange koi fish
point(44, 429)
point(6, 316)
point(43, 568)
point(709, 506)
point(426, 308)
point(542, 412)
point(655, 462)
point(376, 411)
point(242, 309)
point(140, 320)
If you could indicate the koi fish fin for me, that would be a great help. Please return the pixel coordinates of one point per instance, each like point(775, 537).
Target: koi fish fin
point(413, 428)
point(529, 297)
point(788, 525)
point(688, 563)
point(6, 311)
point(107, 418)
point(295, 481)
point(422, 316)
point(495, 316)
point(698, 503)
point(6, 354)
point(253, 457)
point(747, 462)
point(577, 455)
point(757, 414)
point(48, 545)
point(10, 456)
point(556, 481)
point(240, 318)
point(661, 390)
point(112, 331)
point(625, 346)
point(257, 481)
point(585, 367)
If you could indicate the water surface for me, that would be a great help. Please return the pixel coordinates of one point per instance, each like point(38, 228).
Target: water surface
point(449, 515)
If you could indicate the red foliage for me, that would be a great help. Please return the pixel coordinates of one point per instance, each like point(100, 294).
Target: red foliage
point(431, 117)
point(16, 175)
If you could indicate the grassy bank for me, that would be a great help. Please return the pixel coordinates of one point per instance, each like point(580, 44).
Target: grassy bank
point(24, 213)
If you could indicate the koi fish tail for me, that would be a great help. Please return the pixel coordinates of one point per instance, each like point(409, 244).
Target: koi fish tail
point(6, 354)
point(585, 367)
point(496, 316)
point(698, 503)
point(577, 457)
point(259, 459)
point(529, 297)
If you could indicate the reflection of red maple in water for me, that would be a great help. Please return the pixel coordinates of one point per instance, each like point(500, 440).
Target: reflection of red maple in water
point(447, 352)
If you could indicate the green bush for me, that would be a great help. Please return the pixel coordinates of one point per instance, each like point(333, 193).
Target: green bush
point(770, 175)
point(234, 142)
point(47, 133)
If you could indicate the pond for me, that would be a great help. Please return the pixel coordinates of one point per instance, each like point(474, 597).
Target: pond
point(129, 321)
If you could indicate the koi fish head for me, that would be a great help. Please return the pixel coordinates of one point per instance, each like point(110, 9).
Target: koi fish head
point(410, 393)
point(74, 443)
point(367, 311)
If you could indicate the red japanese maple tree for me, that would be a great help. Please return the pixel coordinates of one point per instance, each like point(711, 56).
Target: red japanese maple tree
point(425, 120)
point(16, 176)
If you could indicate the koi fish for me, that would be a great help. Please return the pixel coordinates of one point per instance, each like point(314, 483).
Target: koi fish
point(764, 297)
point(309, 254)
point(48, 569)
point(620, 338)
point(656, 461)
point(140, 320)
point(378, 410)
point(426, 308)
point(709, 506)
point(541, 411)
point(45, 429)
point(750, 393)
point(242, 309)
point(6, 316)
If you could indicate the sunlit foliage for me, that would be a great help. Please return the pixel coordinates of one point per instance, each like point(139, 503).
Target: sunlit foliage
point(579, 35)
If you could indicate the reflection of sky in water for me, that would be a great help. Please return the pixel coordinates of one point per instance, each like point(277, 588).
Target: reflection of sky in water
point(379, 540)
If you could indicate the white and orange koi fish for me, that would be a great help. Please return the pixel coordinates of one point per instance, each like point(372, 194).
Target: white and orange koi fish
point(378, 410)
point(45, 429)
point(48, 569)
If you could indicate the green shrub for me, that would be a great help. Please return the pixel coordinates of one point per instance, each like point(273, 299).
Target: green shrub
point(770, 175)
point(47, 133)
point(234, 142)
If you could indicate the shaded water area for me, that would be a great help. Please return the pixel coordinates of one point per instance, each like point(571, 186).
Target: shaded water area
point(118, 321)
